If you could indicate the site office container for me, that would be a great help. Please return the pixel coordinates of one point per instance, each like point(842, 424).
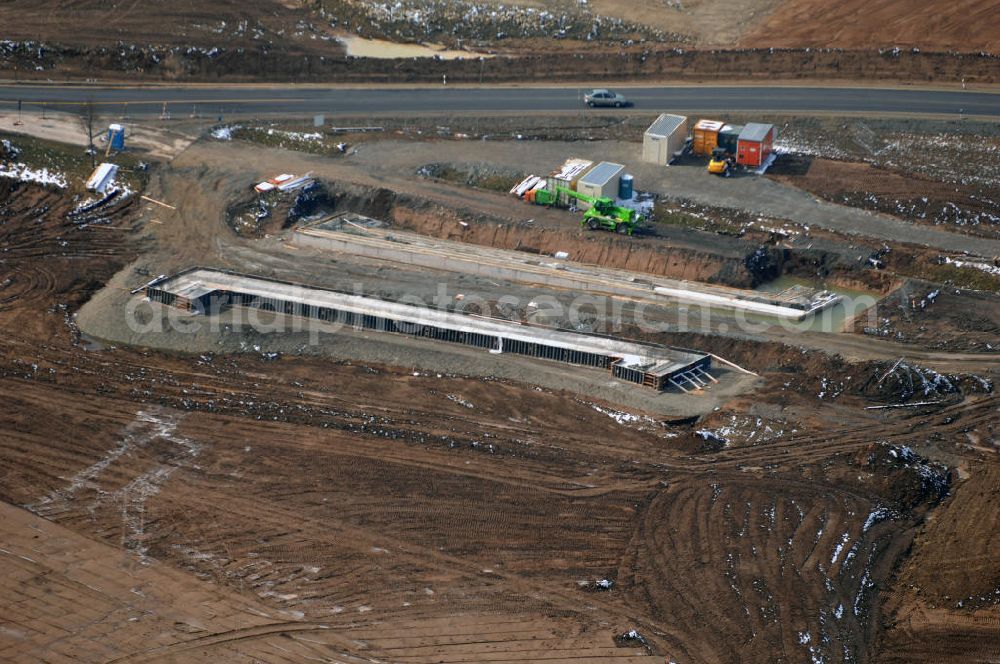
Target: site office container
point(705, 137)
point(729, 137)
point(602, 181)
point(664, 139)
point(755, 144)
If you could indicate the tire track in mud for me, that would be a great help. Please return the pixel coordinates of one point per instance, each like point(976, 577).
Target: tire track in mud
point(20, 285)
point(737, 569)
point(127, 468)
point(229, 637)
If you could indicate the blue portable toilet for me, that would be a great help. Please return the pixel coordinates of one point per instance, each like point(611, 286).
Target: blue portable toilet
point(116, 137)
point(625, 190)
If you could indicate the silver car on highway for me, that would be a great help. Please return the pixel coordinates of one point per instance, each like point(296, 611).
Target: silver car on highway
point(602, 97)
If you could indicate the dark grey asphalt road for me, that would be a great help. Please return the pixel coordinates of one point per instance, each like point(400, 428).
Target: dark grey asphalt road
point(332, 101)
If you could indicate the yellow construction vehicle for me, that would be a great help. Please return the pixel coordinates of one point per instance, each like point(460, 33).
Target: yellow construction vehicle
point(721, 163)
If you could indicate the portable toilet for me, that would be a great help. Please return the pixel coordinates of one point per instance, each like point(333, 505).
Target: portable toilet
point(116, 137)
point(625, 188)
point(755, 144)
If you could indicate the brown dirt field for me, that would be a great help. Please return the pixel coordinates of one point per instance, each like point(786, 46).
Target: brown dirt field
point(965, 208)
point(176, 507)
point(711, 23)
point(944, 608)
point(268, 40)
point(935, 317)
point(229, 23)
point(962, 25)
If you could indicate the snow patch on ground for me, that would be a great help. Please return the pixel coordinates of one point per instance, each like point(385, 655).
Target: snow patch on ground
point(621, 417)
point(877, 514)
point(641, 202)
point(840, 547)
point(9, 149)
point(985, 267)
point(224, 133)
point(24, 173)
point(296, 135)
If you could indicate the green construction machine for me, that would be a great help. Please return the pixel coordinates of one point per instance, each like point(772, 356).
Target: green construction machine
point(602, 214)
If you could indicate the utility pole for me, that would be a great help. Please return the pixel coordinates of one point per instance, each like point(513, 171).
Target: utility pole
point(88, 117)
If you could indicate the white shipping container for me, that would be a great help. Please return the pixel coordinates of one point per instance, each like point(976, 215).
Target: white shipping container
point(664, 139)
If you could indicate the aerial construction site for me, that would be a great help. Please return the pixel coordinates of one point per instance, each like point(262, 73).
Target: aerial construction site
point(464, 332)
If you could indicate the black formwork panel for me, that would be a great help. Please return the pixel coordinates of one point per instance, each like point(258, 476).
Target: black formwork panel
point(376, 323)
point(161, 296)
point(625, 373)
point(361, 321)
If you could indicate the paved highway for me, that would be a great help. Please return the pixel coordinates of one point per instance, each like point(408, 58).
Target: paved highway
point(336, 100)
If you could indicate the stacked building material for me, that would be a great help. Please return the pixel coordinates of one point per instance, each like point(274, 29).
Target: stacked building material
point(102, 177)
point(283, 182)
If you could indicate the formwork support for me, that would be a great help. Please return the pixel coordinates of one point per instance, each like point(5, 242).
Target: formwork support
point(678, 385)
point(704, 373)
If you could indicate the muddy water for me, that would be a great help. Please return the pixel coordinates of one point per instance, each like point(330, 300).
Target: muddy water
point(855, 303)
point(360, 47)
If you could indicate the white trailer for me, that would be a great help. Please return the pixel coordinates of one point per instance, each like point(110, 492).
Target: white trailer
point(665, 139)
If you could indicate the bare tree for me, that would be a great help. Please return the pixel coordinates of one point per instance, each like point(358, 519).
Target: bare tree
point(88, 118)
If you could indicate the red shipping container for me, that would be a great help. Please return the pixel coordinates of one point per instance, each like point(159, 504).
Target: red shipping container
point(755, 144)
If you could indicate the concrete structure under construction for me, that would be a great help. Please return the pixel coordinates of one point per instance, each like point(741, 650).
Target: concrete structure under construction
point(362, 236)
point(651, 365)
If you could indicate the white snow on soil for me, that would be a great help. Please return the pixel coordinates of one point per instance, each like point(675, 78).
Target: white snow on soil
point(24, 173)
point(224, 133)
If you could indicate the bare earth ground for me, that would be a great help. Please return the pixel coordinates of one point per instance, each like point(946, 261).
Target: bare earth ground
point(228, 23)
point(266, 40)
point(964, 25)
point(362, 510)
point(964, 207)
point(241, 506)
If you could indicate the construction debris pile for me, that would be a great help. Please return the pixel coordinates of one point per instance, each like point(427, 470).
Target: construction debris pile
point(277, 203)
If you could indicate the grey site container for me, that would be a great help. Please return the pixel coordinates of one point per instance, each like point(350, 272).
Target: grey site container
point(729, 136)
